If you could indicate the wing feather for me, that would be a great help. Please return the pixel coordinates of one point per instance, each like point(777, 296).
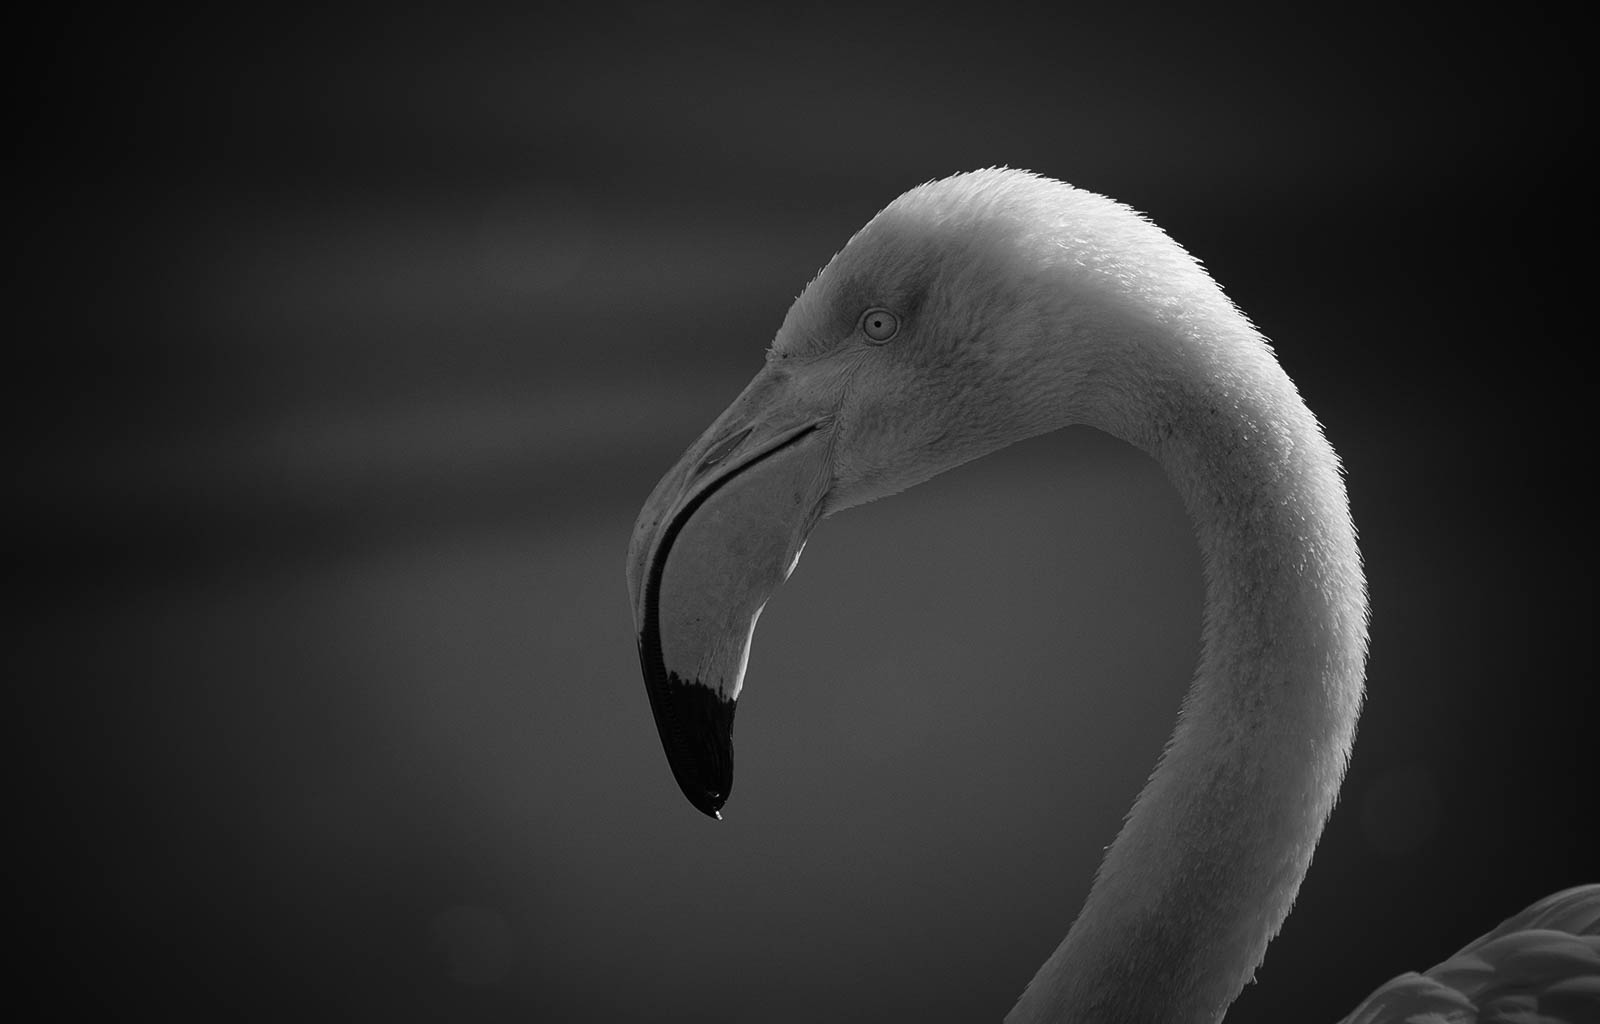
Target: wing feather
point(1540, 966)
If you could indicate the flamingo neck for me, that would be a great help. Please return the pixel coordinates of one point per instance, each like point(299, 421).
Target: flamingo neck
point(1206, 866)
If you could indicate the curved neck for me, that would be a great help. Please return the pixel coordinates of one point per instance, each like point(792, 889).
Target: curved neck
point(1207, 864)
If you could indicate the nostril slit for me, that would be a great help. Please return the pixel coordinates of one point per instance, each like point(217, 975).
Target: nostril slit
point(722, 449)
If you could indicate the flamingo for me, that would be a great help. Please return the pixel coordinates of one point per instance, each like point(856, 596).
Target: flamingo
point(993, 306)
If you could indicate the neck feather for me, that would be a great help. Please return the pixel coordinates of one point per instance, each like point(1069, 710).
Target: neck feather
point(1207, 864)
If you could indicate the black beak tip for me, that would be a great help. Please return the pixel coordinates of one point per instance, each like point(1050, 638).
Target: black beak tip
point(696, 727)
point(704, 801)
point(699, 745)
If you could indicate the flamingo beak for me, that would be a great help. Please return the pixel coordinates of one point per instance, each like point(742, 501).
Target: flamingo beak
point(721, 531)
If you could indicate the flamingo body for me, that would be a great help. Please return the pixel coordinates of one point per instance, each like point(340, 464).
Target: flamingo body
point(1540, 966)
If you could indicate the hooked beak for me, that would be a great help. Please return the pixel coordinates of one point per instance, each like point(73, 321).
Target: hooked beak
point(721, 531)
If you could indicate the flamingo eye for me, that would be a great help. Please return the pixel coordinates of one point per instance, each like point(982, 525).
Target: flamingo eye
point(879, 325)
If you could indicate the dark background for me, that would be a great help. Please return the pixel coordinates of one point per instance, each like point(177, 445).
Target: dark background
point(348, 346)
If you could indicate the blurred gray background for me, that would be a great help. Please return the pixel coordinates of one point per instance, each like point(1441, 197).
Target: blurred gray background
point(349, 346)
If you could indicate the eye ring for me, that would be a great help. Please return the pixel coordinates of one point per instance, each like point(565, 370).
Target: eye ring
point(879, 325)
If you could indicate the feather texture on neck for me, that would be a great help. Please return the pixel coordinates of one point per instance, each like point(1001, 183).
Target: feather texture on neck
point(1210, 858)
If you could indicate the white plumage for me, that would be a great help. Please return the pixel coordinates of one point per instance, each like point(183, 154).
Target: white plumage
point(994, 306)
